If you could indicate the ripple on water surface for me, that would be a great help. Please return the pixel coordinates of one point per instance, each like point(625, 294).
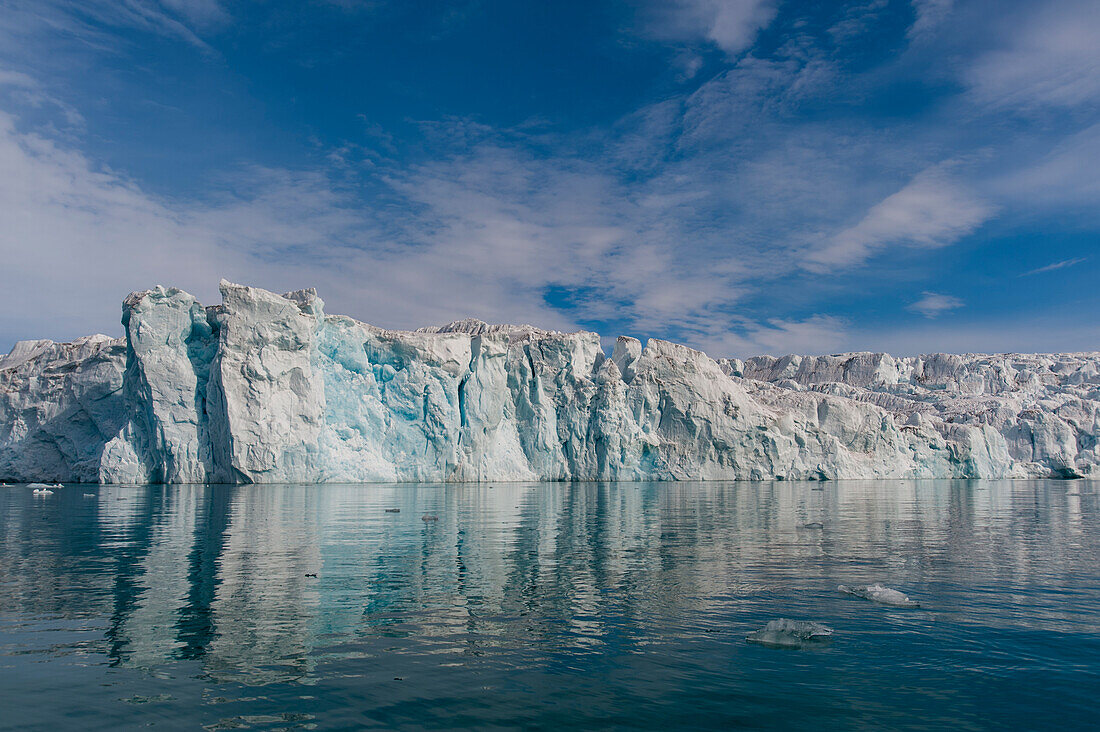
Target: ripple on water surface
point(548, 605)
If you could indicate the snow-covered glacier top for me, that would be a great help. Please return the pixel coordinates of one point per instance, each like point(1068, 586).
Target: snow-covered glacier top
point(268, 388)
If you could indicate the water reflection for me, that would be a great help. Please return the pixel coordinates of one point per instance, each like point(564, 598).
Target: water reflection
point(275, 584)
point(224, 574)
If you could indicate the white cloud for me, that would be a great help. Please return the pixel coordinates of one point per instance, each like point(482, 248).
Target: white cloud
point(77, 238)
point(1065, 177)
point(748, 101)
point(1049, 58)
point(686, 208)
point(27, 92)
point(931, 211)
point(204, 13)
point(17, 79)
point(857, 19)
point(929, 15)
point(484, 234)
point(24, 23)
point(817, 334)
point(731, 25)
point(934, 304)
point(561, 223)
point(1055, 266)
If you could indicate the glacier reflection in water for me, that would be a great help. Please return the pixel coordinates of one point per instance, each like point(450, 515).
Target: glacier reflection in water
point(548, 605)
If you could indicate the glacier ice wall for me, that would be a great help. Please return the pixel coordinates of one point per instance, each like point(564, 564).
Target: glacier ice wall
point(268, 388)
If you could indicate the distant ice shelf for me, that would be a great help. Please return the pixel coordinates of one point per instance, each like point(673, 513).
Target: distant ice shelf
point(268, 388)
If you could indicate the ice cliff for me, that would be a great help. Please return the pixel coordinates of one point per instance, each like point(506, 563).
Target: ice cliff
point(268, 388)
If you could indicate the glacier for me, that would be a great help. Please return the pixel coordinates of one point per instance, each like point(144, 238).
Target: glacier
point(268, 388)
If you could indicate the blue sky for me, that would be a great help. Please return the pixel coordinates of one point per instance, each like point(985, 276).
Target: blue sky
point(745, 176)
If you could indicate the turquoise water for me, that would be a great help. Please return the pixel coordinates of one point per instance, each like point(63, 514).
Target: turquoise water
point(548, 606)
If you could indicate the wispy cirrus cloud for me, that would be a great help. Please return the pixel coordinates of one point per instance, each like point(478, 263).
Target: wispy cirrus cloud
point(204, 13)
point(731, 25)
point(931, 211)
point(779, 337)
point(488, 233)
point(1063, 178)
point(28, 92)
point(90, 22)
point(934, 304)
point(1054, 266)
point(17, 79)
point(1047, 58)
point(929, 14)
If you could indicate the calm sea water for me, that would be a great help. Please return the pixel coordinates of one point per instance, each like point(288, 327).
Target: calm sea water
point(548, 606)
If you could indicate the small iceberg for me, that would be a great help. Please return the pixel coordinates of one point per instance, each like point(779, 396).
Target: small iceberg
point(880, 594)
point(784, 633)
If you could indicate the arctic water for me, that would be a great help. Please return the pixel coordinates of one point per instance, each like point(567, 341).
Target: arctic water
point(549, 605)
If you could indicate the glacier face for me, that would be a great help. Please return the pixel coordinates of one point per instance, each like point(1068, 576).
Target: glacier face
point(267, 388)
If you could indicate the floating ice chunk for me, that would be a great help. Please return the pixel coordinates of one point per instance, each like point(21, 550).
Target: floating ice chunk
point(148, 699)
point(880, 594)
point(784, 633)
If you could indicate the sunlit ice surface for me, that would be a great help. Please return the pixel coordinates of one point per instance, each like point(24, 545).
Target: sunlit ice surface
point(549, 605)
